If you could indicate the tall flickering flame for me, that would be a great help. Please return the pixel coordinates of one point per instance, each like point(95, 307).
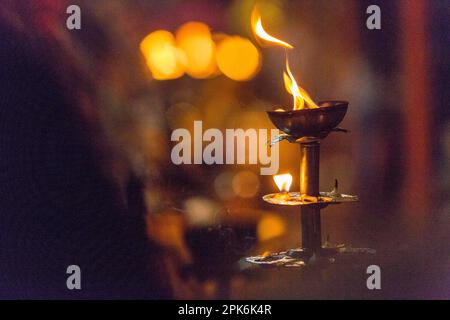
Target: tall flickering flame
point(301, 98)
point(283, 181)
point(260, 32)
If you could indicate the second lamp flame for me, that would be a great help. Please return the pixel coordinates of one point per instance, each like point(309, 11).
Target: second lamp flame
point(283, 181)
point(302, 100)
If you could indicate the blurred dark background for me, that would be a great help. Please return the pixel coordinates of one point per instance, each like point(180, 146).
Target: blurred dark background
point(98, 91)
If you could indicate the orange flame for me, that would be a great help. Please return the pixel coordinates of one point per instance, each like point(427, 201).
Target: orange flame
point(301, 98)
point(261, 33)
point(283, 181)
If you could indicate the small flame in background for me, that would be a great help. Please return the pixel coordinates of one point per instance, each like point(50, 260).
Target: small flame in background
point(302, 100)
point(283, 181)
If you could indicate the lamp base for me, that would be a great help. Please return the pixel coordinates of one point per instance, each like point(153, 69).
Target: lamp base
point(301, 257)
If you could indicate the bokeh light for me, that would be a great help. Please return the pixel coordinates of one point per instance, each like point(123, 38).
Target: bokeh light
point(238, 58)
point(200, 54)
point(195, 40)
point(223, 185)
point(163, 58)
point(200, 211)
point(245, 184)
point(270, 226)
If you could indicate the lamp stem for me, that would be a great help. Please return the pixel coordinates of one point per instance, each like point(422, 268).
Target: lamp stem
point(309, 185)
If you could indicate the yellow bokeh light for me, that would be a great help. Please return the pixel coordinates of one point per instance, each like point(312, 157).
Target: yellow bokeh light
point(238, 58)
point(195, 51)
point(194, 39)
point(270, 227)
point(163, 58)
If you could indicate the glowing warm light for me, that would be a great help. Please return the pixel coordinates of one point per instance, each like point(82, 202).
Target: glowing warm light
point(238, 58)
point(194, 39)
point(283, 181)
point(269, 227)
point(193, 50)
point(301, 98)
point(163, 58)
point(261, 33)
point(245, 184)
